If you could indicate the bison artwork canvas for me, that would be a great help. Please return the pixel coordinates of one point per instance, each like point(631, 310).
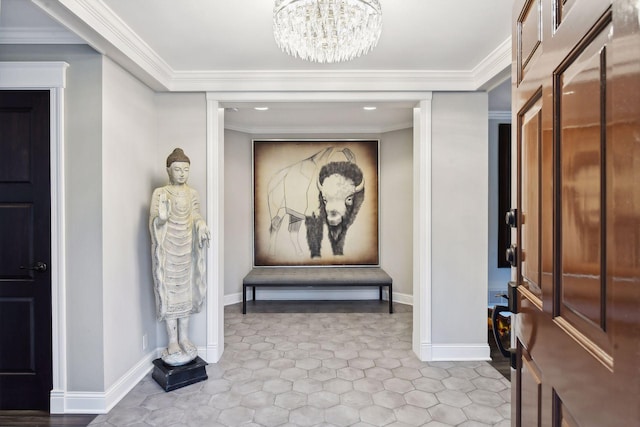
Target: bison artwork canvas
point(315, 202)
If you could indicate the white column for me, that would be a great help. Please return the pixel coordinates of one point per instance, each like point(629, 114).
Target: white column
point(422, 340)
point(215, 220)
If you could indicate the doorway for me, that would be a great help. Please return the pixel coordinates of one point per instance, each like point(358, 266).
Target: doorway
point(50, 77)
point(421, 216)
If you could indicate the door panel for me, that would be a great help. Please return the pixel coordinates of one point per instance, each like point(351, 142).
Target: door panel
point(529, 32)
point(577, 106)
point(16, 223)
point(562, 416)
point(15, 168)
point(530, 390)
point(25, 240)
point(562, 8)
point(17, 323)
point(580, 91)
point(530, 145)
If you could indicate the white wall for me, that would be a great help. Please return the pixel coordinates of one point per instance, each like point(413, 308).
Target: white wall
point(128, 164)
point(459, 220)
point(396, 175)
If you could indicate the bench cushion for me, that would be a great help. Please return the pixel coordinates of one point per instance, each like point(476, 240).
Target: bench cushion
point(316, 276)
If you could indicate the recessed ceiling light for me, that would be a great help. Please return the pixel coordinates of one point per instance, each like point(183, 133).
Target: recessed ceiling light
point(261, 108)
point(369, 108)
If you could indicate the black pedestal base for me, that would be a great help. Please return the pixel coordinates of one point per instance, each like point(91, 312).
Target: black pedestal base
point(173, 377)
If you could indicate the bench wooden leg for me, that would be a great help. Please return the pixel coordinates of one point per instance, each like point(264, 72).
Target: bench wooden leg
point(390, 299)
point(380, 287)
point(244, 299)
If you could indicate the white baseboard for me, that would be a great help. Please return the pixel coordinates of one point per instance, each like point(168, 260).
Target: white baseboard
point(120, 388)
point(460, 352)
point(452, 352)
point(306, 294)
point(399, 298)
point(424, 352)
point(96, 402)
point(87, 402)
point(56, 402)
point(210, 354)
point(214, 353)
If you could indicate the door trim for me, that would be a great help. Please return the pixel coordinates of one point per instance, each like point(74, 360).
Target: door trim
point(51, 76)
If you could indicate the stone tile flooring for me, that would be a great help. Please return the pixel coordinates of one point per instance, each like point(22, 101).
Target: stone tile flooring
point(322, 369)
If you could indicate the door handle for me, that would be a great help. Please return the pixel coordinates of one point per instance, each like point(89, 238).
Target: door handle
point(512, 255)
point(511, 218)
point(38, 266)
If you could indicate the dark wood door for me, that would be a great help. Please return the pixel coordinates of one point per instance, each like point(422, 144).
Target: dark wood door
point(25, 251)
point(576, 86)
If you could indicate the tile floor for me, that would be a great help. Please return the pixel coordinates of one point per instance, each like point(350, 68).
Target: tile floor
point(310, 368)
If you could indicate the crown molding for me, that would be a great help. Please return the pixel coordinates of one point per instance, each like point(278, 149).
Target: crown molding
point(304, 80)
point(495, 68)
point(102, 29)
point(38, 35)
point(491, 71)
point(94, 22)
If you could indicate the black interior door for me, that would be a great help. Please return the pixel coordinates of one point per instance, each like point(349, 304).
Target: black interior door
point(25, 250)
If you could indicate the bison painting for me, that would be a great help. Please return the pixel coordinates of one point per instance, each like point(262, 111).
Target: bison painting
point(324, 189)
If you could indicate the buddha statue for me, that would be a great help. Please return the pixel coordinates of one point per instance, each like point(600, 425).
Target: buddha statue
point(179, 235)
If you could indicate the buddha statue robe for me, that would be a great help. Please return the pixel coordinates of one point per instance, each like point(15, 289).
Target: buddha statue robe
point(177, 258)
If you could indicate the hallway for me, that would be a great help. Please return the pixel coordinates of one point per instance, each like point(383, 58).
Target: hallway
point(312, 368)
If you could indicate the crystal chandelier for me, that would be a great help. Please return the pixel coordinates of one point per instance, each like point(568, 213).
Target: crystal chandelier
point(327, 30)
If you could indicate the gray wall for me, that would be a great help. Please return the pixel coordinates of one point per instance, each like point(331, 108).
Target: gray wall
point(83, 158)
point(140, 129)
point(128, 163)
point(459, 217)
point(396, 193)
point(238, 205)
point(181, 122)
point(117, 135)
point(396, 212)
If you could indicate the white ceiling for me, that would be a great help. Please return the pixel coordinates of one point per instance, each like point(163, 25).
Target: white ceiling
point(237, 35)
point(227, 47)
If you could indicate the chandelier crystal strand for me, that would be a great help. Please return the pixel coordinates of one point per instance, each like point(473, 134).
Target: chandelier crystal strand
point(327, 30)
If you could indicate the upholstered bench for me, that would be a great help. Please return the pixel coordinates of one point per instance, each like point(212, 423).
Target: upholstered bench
point(274, 277)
